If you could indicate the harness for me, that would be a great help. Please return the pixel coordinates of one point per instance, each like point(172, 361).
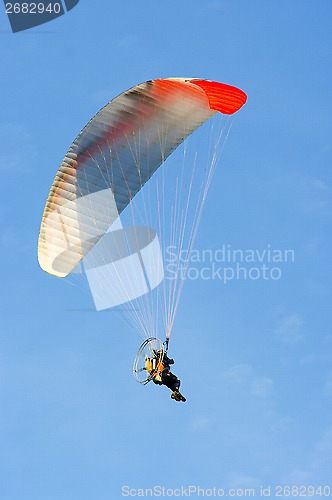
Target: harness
point(155, 367)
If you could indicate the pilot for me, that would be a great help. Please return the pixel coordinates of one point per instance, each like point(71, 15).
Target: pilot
point(159, 369)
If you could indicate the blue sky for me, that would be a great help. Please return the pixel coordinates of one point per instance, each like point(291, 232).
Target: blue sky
point(254, 356)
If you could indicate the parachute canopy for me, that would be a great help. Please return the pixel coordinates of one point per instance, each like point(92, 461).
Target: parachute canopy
point(115, 155)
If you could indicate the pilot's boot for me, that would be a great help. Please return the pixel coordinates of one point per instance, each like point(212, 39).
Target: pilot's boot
point(177, 396)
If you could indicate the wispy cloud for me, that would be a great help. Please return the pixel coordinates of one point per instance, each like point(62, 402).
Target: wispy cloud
point(290, 330)
point(319, 462)
point(320, 185)
point(308, 194)
point(281, 424)
point(200, 422)
point(245, 482)
point(9, 162)
point(238, 374)
point(127, 42)
point(262, 387)
point(298, 476)
point(315, 195)
point(243, 376)
point(327, 388)
point(323, 448)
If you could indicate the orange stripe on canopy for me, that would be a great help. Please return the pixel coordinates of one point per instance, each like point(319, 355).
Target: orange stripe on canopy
point(169, 88)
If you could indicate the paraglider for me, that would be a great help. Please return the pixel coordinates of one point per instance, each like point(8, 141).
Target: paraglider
point(116, 172)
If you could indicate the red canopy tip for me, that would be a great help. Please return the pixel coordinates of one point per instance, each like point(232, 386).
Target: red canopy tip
point(222, 97)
